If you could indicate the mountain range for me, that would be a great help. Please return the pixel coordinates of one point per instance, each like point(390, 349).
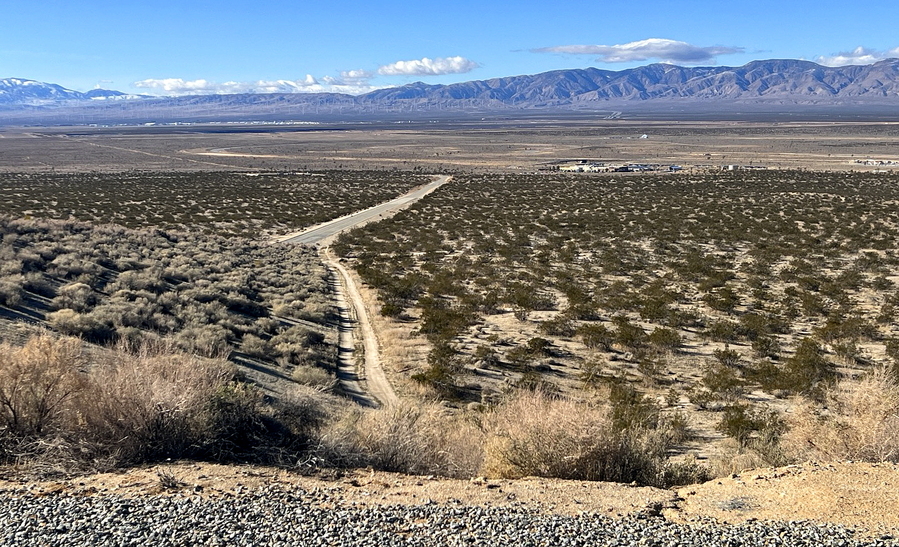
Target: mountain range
point(19, 91)
point(780, 83)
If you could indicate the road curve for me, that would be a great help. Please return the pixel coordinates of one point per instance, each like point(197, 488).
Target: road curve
point(354, 320)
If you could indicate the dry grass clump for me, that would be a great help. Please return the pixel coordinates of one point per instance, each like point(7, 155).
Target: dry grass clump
point(416, 438)
point(37, 383)
point(858, 421)
point(63, 409)
point(534, 434)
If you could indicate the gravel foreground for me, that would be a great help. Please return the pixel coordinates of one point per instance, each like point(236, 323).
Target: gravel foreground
point(280, 517)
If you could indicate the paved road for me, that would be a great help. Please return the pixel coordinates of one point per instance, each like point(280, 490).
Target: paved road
point(323, 233)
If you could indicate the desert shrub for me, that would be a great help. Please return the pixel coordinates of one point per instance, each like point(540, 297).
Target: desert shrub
point(630, 409)
point(533, 434)
point(11, 291)
point(597, 337)
point(539, 347)
point(627, 334)
point(151, 405)
point(410, 438)
point(313, 376)
point(767, 375)
point(892, 349)
point(753, 325)
point(665, 338)
point(440, 320)
point(85, 325)
point(255, 346)
point(722, 382)
point(760, 427)
point(76, 296)
point(207, 340)
point(766, 346)
point(37, 283)
point(37, 381)
point(723, 299)
point(858, 421)
point(887, 314)
point(592, 374)
point(561, 325)
point(487, 356)
point(808, 371)
point(444, 365)
point(723, 331)
point(727, 357)
point(839, 326)
point(137, 404)
point(139, 280)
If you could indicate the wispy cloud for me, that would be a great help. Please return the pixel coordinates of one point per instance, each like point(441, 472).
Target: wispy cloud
point(429, 67)
point(309, 84)
point(858, 56)
point(653, 48)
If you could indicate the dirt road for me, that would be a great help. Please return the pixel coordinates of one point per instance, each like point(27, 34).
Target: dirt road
point(361, 379)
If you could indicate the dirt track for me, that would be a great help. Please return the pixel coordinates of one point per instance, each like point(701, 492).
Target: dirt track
point(371, 387)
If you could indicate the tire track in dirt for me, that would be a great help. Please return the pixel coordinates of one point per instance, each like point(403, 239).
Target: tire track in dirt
point(363, 380)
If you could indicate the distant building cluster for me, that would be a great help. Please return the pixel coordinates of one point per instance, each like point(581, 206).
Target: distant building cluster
point(595, 166)
point(586, 166)
point(877, 162)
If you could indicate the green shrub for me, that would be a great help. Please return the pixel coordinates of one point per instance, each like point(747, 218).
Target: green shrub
point(629, 335)
point(723, 382)
point(808, 371)
point(597, 337)
point(747, 426)
point(666, 339)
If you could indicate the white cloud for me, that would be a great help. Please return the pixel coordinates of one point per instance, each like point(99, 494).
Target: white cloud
point(309, 84)
point(356, 75)
point(642, 50)
point(429, 67)
point(858, 56)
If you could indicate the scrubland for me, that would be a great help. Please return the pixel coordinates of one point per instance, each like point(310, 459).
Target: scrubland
point(726, 301)
point(224, 203)
point(649, 329)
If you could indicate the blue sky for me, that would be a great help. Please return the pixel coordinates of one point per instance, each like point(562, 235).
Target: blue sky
point(180, 47)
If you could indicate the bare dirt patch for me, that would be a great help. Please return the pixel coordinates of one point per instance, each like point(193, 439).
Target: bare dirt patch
point(861, 495)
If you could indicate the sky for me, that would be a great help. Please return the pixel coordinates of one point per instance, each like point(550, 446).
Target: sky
point(166, 47)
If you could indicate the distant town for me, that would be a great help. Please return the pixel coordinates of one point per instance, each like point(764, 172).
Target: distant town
point(610, 166)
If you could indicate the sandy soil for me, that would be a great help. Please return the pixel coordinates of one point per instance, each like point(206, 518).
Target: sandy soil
point(861, 495)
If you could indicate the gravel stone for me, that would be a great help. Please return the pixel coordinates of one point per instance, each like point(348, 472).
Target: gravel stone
point(285, 517)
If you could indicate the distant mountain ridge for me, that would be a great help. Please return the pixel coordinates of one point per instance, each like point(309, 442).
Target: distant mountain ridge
point(778, 78)
point(783, 83)
point(20, 91)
